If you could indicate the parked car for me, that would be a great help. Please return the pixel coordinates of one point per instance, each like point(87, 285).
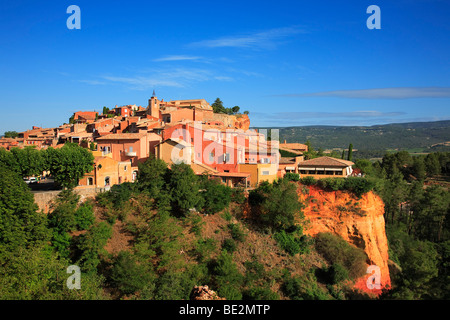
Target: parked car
point(31, 180)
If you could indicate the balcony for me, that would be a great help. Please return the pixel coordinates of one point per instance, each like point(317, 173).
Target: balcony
point(131, 154)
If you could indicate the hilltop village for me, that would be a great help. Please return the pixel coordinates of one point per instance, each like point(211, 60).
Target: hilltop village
point(216, 144)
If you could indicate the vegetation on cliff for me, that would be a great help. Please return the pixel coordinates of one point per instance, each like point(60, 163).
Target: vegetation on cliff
point(170, 231)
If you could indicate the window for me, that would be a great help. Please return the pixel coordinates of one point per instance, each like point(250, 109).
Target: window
point(211, 157)
point(226, 157)
point(265, 173)
point(90, 181)
point(125, 168)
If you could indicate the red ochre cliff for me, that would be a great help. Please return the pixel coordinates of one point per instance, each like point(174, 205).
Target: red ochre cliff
point(358, 221)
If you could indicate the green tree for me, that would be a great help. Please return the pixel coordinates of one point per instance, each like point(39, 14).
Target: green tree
point(11, 134)
point(130, 276)
point(69, 164)
point(276, 205)
point(235, 109)
point(38, 274)
point(151, 175)
point(27, 161)
point(183, 186)
point(432, 164)
point(218, 106)
point(21, 225)
point(227, 278)
point(350, 152)
point(216, 196)
point(90, 246)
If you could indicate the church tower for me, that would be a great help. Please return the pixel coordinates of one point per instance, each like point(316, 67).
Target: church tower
point(153, 106)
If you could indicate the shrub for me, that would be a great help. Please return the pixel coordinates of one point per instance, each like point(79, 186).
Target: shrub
point(236, 232)
point(204, 247)
point(84, 216)
point(276, 205)
point(291, 176)
point(229, 245)
point(197, 224)
point(332, 184)
point(303, 287)
point(292, 242)
point(337, 273)
point(216, 196)
point(358, 186)
point(238, 195)
point(129, 276)
point(227, 277)
point(260, 293)
point(308, 181)
point(336, 250)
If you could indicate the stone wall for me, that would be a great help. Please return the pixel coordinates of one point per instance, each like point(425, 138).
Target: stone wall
point(44, 199)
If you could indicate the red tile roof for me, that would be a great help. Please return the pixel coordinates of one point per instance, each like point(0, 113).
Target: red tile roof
point(326, 161)
point(123, 136)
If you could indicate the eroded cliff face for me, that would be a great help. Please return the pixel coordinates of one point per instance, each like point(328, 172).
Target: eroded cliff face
point(359, 221)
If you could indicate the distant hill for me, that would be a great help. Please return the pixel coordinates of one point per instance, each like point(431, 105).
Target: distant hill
point(374, 140)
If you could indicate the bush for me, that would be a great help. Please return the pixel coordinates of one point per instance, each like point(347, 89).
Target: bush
point(337, 273)
point(229, 245)
point(291, 176)
point(358, 186)
point(238, 195)
point(332, 184)
point(276, 205)
point(216, 196)
point(308, 181)
point(260, 293)
point(129, 276)
point(204, 247)
point(336, 250)
point(236, 232)
point(227, 277)
point(84, 216)
point(303, 288)
point(287, 242)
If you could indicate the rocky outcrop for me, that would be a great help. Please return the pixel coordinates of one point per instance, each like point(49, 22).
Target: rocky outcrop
point(204, 293)
point(359, 221)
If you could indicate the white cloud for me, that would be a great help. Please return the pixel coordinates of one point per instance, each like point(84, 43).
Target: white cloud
point(177, 58)
point(174, 77)
point(381, 93)
point(265, 39)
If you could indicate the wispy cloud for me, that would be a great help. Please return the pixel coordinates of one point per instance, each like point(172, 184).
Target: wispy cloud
point(355, 118)
point(381, 93)
point(175, 77)
point(351, 114)
point(265, 39)
point(177, 58)
point(323, 115)
point(143, 83)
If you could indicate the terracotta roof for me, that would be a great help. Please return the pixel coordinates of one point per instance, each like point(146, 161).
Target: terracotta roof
point(200, 168)
point(233, 174)
point(122, 136)
point(294, 146)
point(326, 161)
point(287, 160)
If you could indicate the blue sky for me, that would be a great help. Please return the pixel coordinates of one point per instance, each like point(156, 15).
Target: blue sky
point(287, 62)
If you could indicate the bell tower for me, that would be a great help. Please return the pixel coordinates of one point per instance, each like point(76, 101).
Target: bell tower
point(153, 106)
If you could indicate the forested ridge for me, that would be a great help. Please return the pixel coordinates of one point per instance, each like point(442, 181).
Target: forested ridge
point(373, 141)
